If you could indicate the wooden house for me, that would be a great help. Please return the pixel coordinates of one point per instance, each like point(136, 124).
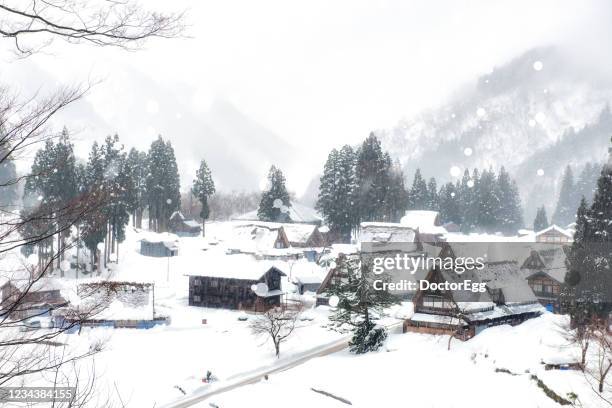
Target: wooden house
point(545, 271)
point(234, 285)
point(23, 298)
point(183, 227)
point(554, 235)
point(463, 313)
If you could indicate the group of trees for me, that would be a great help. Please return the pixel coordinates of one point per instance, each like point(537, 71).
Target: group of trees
point(130, 183)
point(587, 294)
point(360, 185)
point(365, 185)
point(480, 201)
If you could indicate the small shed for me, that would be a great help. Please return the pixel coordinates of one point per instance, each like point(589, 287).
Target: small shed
point(159, 245)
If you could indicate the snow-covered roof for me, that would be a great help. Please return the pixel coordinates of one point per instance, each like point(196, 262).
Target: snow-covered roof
point(385, 234)
point(556, 228)
point(299, 233)
point(149, 236)
point(177, 214)
point(507, 277)
point(240, 266)
point(438, 319)
point(424, 221)
point(192, 223)
point(554, 263)
point(297, 213)
point(255, 236)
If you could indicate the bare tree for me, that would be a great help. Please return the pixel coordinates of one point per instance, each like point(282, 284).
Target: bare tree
point(602, 354)
point(277, 324)
point(29, 353)
point(34, 24)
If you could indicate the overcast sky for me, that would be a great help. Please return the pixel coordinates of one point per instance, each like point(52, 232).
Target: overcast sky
point(306, 76)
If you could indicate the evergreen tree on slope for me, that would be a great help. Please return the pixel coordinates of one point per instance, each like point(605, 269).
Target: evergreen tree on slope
point(203, 188)
point(275, 201)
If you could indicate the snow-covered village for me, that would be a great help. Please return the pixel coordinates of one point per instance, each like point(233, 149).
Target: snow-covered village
point(322, 204)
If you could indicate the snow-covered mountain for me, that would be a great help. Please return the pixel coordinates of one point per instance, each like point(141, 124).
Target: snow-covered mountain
point(533, 115)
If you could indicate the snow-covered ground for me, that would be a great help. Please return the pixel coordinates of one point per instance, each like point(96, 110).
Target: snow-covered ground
point(417, 370)
point(150, 367)
point(146, 366)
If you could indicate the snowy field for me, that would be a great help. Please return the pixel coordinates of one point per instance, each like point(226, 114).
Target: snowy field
point(148, 366)
point(152, 367)
point(417, 370)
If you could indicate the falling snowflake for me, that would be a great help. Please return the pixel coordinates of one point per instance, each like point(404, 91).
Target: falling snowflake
point(40, 198)
point(540, 117)
point(480, 112)
point(468, 151)
point(538, 65)
point(278, 203)
point(168, 201)
point(453, 195)
point(532, 122)
point(470, 183)
point(455, 171)
point(540, 172)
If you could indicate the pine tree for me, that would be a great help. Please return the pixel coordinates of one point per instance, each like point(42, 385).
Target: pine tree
point(566, 205)
point(94, 226)
point(433, 201)
point(163, 184)
point(509, 215)
point(372, 171)
point(359, 304)
point(419, 195)
point(136, 168)
point(203, 188)
point(488, 201)
point(541, 220)
point(590, 276)
point(468, 195)
point(450, 204)
point(397, 196)
point(275, 201)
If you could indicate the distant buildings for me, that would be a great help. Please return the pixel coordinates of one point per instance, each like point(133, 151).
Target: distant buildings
point(183, 227)
point(554, 234)
point(23, 298)
point(298, 213)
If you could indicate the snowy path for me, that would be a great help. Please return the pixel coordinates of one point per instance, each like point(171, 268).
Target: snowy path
point(253, 376)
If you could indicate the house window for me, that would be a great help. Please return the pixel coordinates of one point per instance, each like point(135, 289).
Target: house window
point(197, 298)
point(537, 287)
point(214, 283)
point(197, 281)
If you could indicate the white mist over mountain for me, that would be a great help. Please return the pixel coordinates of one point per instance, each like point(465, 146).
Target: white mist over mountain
point(534, 115)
